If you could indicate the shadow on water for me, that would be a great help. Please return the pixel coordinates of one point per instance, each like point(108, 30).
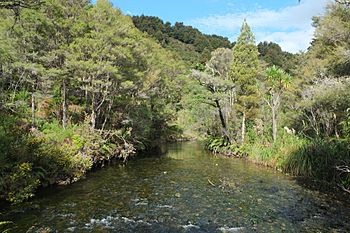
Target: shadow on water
point(186, 190)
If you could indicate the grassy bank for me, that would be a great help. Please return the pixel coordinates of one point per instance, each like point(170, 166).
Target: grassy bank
point(319, 159)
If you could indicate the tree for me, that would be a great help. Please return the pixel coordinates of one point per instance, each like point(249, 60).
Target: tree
point(244, 72)
point(276, 81)
point(215, 78)
point(273, 54)
point(31, 40)
point(72, 61)
point(343, 2)
point(331, 47)
point(94, 57)
point(191, 44)
point(66, 18)
point(17, 5)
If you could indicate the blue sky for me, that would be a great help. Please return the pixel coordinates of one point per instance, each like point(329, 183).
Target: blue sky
point(283, 21)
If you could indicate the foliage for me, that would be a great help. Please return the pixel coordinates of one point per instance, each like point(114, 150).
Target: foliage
point(244, 70)
point(331, 43)
point(276, 82)
point(80, 85)
point(215, 79)
point(17, 5)
point(277, 79)
point(191, 45)
point(57, 155)
point(5, 226)
point(313, 118)
point(273, 55)
point(222, 146)
point(345, 125)
point(244, 73)
point(323, 110)
point(295, 155)
point(260, 149)
point(318, 158)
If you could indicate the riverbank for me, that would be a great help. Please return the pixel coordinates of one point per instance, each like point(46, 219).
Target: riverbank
point(317, 159)
point(171, 193)
point(34, 158)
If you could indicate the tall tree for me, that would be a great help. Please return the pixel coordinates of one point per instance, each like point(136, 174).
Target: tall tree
point(215, 79)
point(244, 72)
point(32, 40)
point(94, 57)
point(66, 20)
point(219, 66)
point(331, 47)
point(277, 80)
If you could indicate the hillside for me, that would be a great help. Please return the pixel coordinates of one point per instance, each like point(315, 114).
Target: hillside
point(192, 45)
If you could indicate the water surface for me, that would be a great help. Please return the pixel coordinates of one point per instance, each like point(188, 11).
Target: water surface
point(187, 190)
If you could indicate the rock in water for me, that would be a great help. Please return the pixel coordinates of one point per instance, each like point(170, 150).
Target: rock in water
point(232, 229)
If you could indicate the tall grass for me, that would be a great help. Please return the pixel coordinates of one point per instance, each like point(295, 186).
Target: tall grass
point(318, 158)
point(262, 151)
point(298, 156)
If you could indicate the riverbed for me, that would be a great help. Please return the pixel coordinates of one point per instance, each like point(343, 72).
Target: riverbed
point(186, 190)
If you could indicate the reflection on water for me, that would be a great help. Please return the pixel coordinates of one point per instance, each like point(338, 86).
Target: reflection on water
point(188, 190)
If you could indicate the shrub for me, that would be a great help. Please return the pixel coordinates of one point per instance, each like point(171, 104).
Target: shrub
point(20, 183)
point(52, 155)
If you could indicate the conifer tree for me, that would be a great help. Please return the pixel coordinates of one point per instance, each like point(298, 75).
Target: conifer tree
point(244, 72)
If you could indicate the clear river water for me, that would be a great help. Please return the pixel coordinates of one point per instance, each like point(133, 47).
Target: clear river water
point(186, 190)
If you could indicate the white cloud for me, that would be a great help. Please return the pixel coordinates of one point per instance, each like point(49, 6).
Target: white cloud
point(293, 41)
point(289, 26)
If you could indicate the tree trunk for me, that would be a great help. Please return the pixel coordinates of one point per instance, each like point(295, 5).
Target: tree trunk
point(274, 124)
point(243, 128)
point(64, 105)
point(86, 94)
point(93, 112)
point(274, 109)
point(107, 114)
point(222, 120)
point(33, 109)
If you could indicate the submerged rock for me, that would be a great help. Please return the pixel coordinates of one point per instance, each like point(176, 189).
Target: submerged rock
point(232, 229)
point(186, 227)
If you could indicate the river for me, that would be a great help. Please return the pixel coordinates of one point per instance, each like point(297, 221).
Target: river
point(187, 190)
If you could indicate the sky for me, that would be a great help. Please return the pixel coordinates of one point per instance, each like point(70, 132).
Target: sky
point(285, 22)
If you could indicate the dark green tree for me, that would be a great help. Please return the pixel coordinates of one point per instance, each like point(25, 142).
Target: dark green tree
point(273, 54)
point(244, 72)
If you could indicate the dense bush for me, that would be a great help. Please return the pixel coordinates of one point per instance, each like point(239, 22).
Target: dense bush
point(52, 155)
point(189, 43)
point(79, 86)
point(221, 146)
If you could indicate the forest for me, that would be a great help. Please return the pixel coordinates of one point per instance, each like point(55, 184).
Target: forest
point(83, 84)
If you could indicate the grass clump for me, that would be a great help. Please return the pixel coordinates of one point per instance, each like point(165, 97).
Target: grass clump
point(299, 156)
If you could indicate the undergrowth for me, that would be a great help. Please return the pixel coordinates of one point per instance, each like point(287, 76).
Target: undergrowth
point(52, 155)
